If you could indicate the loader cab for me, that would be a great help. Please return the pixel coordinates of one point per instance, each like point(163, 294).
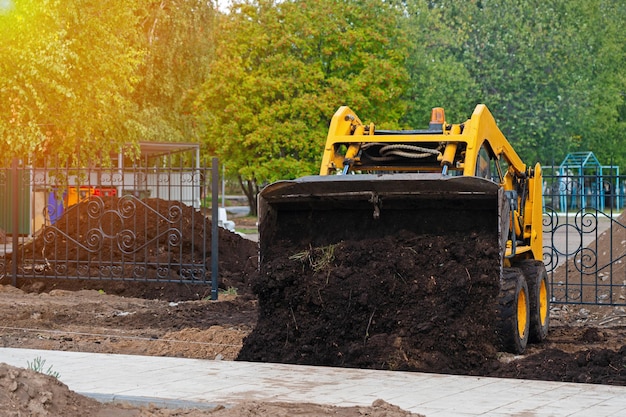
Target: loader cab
point(490, 166)
point(484, 163)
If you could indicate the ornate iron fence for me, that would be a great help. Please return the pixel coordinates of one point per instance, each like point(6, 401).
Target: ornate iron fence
point(145, 224)
point(585, 238)
point(149, 224)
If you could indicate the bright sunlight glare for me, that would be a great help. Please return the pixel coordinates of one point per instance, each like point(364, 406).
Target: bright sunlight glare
point(6, 6)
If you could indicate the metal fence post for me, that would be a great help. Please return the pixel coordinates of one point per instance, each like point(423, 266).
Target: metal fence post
point(214, 226)
point(16, 219)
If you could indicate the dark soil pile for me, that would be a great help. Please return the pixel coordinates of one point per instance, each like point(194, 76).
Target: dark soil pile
point(407, 302)
point(133, 233)
point(600, 365)
point(590, 366)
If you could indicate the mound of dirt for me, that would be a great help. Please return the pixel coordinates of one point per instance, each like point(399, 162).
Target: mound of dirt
point(29, 393)
point(413, 302)
point(379, 408)
point(590, 366)
point(404, 302)
point(89, 235)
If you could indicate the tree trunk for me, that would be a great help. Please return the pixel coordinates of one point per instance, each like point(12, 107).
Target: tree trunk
point(251, 190)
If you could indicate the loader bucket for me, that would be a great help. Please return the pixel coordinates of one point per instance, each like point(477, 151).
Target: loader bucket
point(414, 249)
point(322, 210)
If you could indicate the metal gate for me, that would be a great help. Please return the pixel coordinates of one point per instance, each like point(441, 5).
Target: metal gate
point(585, 238)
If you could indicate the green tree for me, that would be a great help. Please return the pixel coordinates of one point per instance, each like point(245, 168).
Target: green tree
point(599, 50)
point(66, 75)
point(178, 44)
point(514, 51)
point(283, 68)
point(548, 70)
point(438, 77)
point(32, 69)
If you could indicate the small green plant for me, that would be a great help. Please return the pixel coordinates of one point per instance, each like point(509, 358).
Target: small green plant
point(38, 365)
point(229, 291)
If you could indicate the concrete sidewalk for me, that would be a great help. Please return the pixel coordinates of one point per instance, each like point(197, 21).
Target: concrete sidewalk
point(177, 382)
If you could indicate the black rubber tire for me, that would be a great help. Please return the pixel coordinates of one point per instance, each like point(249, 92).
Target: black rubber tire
point(514, 311)
point(539, 292)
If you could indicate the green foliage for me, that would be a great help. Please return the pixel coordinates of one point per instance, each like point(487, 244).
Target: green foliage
point(282, 68)
point(178, 39)
point(549, 71)
point(38, 365)
point(438, 75)
point(600, 120)
point(257, 85)
point(67, 72)
point(229, 291)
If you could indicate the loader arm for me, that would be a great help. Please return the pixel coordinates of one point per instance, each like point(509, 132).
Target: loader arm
point(476, 148)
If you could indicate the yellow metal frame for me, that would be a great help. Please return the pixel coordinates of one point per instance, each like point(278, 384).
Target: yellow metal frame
point(347, 134)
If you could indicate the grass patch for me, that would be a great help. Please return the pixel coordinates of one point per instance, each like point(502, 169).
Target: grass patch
point(247, 231)
point(246, 225)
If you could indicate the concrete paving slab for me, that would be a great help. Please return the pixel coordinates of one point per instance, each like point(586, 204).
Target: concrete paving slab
point(178, 382)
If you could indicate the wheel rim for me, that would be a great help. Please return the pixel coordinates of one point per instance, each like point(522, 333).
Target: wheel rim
point(522, 314)
point(543, 302)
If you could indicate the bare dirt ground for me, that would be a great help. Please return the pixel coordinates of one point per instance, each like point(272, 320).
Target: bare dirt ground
point(585, 344)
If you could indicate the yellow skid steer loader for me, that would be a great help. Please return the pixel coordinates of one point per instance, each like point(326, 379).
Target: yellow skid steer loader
point(383, 181)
